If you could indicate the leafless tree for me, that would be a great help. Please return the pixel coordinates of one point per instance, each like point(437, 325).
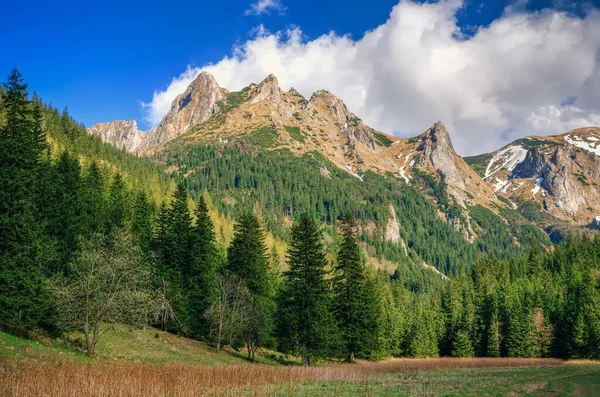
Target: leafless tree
point(108, 281)
point(228, 313)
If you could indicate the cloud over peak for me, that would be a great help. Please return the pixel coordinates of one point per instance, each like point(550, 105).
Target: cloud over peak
point(524, 74)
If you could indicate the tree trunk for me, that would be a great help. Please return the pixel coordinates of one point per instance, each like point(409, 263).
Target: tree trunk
point(249, 347)
point(92, 346)
point(351, 357)
point(304, 355)
point(86, 331)
point(219, 334)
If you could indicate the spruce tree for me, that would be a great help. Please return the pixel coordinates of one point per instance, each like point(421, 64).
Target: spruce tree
point(355, 317)
point(305, 321)
point(247, 259)
point(118, 204)
point(94, 200)
point(67, 221)
point(178, 252)
point(202, 276)
point(22, 295)
point(141, 221)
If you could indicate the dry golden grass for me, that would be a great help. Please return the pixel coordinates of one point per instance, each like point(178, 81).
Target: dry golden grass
point(70, 378)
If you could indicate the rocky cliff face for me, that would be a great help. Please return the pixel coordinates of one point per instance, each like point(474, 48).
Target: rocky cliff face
point(560, 174)
point(439, 153)
point(121, 134)
point(195, 105)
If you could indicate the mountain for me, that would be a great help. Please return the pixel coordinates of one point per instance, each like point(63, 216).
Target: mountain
point(206, 112)
point(274, 151)
point(553, 180)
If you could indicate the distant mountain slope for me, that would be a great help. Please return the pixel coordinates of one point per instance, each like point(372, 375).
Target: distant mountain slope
point(559, 174)
point(275, 151)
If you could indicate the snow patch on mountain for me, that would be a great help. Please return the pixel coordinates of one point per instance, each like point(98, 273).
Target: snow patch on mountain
point(584, 143)
point(507, 158)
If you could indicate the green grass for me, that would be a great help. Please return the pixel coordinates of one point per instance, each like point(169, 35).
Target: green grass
point(125, 343)
point(264, 137)
point(382, 139)
point(565, 380)
point(479, 163)
point(528, 143)
point(295, 133)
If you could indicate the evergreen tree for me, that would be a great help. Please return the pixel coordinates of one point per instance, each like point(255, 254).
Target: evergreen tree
point(118, 204)
point(202, 275)
point(94, 200)
point(355, 317)
point(178, 256)
point(247, 259)
point(66, 223)
point(141, 221)
point(305, 320)
point(22, 294)
point(462, 345)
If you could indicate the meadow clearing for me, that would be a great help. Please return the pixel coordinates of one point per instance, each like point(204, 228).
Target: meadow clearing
point(152, 363)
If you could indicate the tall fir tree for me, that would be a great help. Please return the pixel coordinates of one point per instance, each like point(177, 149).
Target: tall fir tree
point(178, 254)
point(22, 294)
point(202, 275)
point(356, 319)
point(248, 260)
point(93, 198)
point(118, 204)
point(305, 321)
point(141, 220)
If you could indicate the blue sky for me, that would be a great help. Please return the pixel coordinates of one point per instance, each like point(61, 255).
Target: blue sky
point(101, 62)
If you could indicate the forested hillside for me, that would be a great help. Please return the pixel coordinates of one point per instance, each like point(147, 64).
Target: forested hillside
point(93, 235)
point(398, 221)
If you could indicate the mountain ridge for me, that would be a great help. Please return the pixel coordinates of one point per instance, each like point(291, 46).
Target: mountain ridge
point(323, 123)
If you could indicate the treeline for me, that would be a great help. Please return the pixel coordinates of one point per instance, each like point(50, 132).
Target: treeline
point(80, 247)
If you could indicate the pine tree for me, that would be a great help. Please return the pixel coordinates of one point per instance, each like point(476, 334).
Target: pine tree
point(22, 294)
point(118, 204)
point(202, 275)
point(305, 321)
point(159, 240)
point(66, 224)
point(141, 221)
point(247, 259)
point(178, 252)
point(462, 345)
point(355, 317)
point(93, 198)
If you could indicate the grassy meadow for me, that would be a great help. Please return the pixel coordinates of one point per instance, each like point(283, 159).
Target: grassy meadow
point(149, 362)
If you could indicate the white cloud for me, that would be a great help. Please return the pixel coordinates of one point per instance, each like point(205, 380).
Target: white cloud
point(264, 7)
point(506, 81)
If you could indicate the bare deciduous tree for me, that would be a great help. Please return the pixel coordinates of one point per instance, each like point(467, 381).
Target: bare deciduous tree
point(108, 281)
point(228, 312)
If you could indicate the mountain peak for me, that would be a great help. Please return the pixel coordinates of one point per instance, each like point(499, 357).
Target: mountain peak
point(440, 135)
point(120, 133)
point(266, 89)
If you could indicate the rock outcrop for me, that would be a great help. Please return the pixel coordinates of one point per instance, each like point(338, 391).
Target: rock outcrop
point(438, 151)
point(121, 134)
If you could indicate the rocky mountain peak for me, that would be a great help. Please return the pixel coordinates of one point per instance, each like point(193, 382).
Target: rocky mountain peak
point(267, 89)
point(120, 133)
point(437, 149)
point(195, 105)
point(334, 106)
point(439, 135)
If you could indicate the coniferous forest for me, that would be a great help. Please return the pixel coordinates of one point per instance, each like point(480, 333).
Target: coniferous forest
point(91, 235)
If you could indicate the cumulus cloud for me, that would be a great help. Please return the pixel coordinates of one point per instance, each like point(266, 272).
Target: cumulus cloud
point(508, 80)
point(264, 7)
